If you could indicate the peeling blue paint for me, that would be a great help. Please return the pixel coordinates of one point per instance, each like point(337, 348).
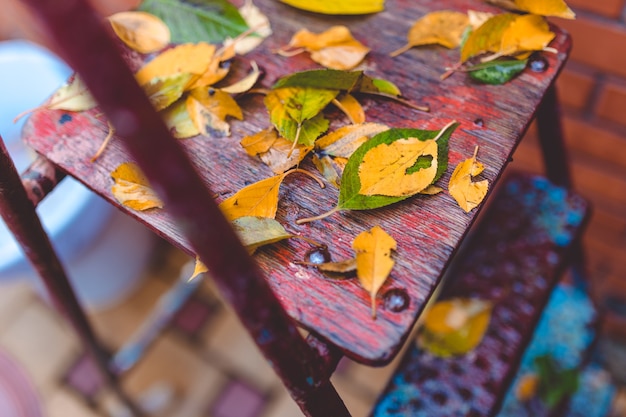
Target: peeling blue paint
point(65, 118)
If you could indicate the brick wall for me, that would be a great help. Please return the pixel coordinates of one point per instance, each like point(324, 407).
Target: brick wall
point(592, 90)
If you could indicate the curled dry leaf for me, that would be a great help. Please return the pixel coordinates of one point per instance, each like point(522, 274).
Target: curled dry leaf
point(340, 7)
point(209, 108)
point(334, 48)
point(141, 31)
point(468, 194)
point(373, 260)
point(282, 155)
point(351, 107)
point(259, 29)
point(178, 120)
point(455, 327)
point(73, 96)
point(444, 27)
point(326, 166)
point(217, 69)
point(132, 188)
point(245, 83)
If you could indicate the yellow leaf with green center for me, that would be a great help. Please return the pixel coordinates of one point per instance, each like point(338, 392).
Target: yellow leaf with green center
point(454, 327)
point(334, 48)
point(209, 108)
point(386, 169)
point(295, 111)
point(556, 8)
point(526, 33)
point(141, 31)
point(468, 194)
point(339, 7)
point(444, 27)
point(178, 120)
point(373, 260)
point(163, 91)
point(488, 37)
point(188, 58)
point(132, 188)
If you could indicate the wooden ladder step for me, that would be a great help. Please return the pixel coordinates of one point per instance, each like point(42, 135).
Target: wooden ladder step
point(513, 259)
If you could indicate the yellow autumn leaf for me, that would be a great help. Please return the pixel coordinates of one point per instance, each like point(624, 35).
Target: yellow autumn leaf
point(163, 91)
point(373, 260)
point(526, 33)
point(556, 8)
point(476, 18)
point(488, 37)
point(132, 188)
point(259, 200)
point(282, 155)
point(347, 139)
point(468, 194)
point(141, 31)
point(208, 108)
point(198, 269)
point(189, 58)
point(383, 170)
point(527, 387)
point(178, 120)
point(455, 327)
point(215, 70)
point(73, 96)
point(444, 27)
point(260, 142)
point(334, 48)
point(340, 7)
point(351, 107)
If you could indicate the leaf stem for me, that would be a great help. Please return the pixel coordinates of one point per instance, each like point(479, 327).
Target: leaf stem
point(309, 240)
point(104, 143)
point(308, 174)
point(443, 130)
point(401, 101)
point(287, 53)
point(400, 50)
point(295, 140)
point(373, 306)
point(320, 217)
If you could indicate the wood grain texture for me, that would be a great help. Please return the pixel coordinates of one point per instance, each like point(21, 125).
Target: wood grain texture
point(428, 229)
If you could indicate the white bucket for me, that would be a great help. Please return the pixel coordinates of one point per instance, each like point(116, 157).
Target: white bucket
point(104, 251)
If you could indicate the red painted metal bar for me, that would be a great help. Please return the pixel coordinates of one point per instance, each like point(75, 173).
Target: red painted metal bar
point(83, 42)
point(40, 178)
point(21, 218)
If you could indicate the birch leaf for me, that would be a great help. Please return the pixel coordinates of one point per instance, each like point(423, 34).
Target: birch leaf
point(255, 232)
point(556, 8)
point(257, 200)
point(256, 20)
point(187, 58)
point(141, 31)
point(338, 7)
point(132, 188)
point(468, 194)
point(163, 91)
point(245, 83)
point(197, 20)
point(351, 107)
point(73, 96)
point(334, 48)
point(209, 108)
point(373, 260)
point(347, 139)
point(260, 142)
point(526, 33)
point(455, 327)
point(444, 27)
point(282, 155)
point(178, 120)
point(488, 37)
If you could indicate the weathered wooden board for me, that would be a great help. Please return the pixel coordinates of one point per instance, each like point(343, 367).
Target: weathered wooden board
point(428, 229)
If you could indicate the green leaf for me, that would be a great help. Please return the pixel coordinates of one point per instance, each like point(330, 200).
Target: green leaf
point(350, 81)
point(259, 231)
point(349, 197)
point(497, 72)
point(198, 20)
point(555, 383)
point(309, 130)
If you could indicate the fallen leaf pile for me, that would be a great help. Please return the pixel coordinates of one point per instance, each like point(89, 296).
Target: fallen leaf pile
point(493, 48)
